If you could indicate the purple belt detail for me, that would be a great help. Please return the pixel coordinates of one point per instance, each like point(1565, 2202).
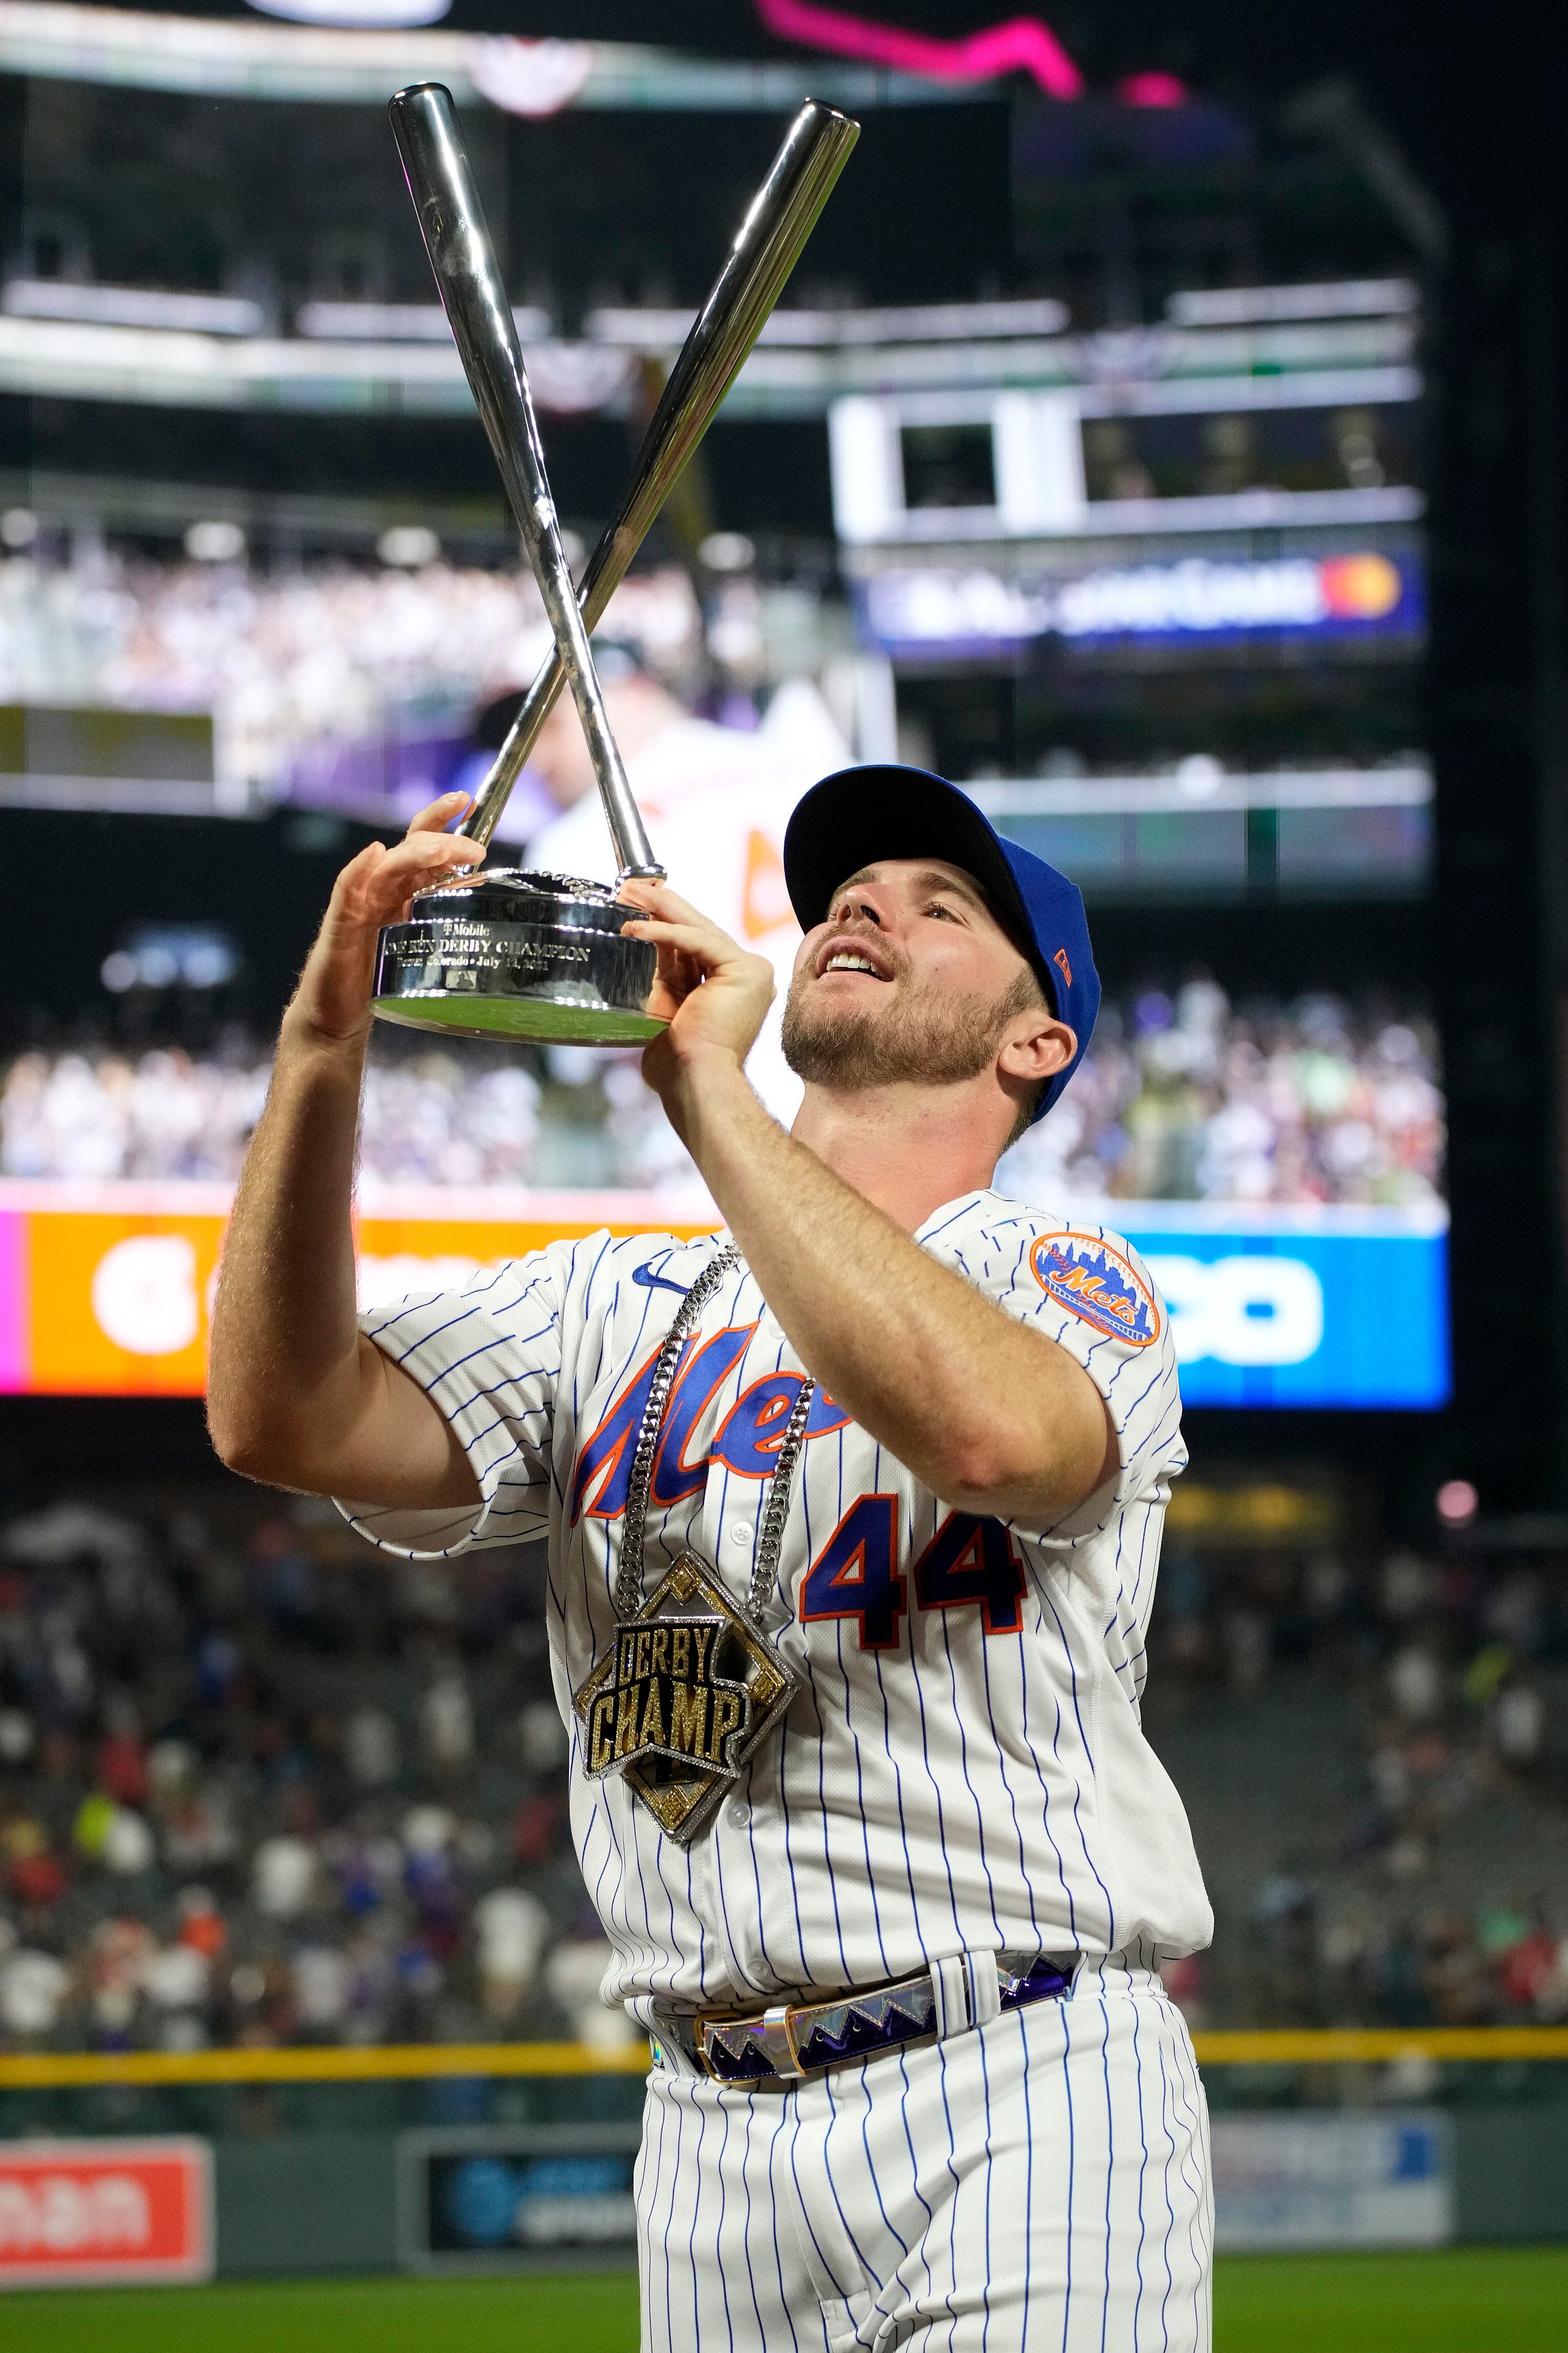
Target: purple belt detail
point(792, 2041)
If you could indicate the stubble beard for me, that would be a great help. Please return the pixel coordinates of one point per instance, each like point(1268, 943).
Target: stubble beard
point(929, 1038)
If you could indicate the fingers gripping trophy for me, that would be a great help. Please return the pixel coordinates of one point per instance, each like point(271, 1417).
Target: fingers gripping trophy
point(504, 952)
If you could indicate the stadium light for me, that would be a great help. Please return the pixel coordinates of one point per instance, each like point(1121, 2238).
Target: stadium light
point(399, 322)
point(132, 306)
point(637, 329)
point(1246, 306)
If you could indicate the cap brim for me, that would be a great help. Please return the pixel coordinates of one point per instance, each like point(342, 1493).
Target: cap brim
point(857, 816)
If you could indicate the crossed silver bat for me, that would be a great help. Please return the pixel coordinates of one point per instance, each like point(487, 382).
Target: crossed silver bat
point(765, 251)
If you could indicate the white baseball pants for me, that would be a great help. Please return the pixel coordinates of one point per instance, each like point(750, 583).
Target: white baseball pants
point(1042, 2180)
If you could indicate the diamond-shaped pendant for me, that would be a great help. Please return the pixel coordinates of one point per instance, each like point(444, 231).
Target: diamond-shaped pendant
point(690, 1690)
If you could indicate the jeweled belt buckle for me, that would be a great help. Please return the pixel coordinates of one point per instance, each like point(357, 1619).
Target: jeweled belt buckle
point(792, 2042)
point(749, 2050)
point(690, 1690)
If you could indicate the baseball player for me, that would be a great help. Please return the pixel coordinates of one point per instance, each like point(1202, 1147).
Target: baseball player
point(853, 1514)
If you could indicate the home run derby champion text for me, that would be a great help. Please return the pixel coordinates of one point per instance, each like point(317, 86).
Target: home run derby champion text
point(854, 1517)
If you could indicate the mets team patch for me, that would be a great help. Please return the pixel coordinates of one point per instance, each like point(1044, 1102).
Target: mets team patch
point(1096, 1283)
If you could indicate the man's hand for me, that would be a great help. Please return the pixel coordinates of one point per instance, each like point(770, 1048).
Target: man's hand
point(332, 1000)
point(713, 993)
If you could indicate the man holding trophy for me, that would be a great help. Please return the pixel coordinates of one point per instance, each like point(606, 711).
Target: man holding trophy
point(853, 1514)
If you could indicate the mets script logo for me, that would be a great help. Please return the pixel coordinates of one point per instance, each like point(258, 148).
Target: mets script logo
point(1097, 1283)
point(746, 1441)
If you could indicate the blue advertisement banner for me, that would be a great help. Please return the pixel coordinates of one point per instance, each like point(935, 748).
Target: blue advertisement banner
point(921, 613)
point(1334, 2181)
point(1298, 1313)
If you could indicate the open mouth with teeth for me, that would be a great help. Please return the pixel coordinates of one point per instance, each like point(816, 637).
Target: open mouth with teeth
point(845, 955)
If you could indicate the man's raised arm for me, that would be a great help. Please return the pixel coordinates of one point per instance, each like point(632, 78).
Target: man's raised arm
point(296, 1395)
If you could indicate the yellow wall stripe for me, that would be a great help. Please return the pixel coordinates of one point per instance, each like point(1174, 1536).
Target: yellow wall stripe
point(1331, 2045)
point(1315, 2047)
point(388, 2063)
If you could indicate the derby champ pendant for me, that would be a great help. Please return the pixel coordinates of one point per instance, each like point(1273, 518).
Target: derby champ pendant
point(691, 1688)
point(693, 1685)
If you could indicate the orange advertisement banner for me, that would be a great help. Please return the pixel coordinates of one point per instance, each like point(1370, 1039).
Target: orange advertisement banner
point(107, 1291)
point(119, 1305)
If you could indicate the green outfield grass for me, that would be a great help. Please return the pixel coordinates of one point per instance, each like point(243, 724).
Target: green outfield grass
point(1464, 2300)
point(1484, 2300)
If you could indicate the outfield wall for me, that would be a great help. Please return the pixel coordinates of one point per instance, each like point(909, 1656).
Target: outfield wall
point(329, 2202)
point(319, 2202)
point(483, 2158)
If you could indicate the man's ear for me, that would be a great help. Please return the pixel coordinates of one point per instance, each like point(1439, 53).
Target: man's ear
point(1038, 1046)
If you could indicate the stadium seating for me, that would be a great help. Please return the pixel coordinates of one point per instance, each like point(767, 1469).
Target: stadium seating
point(258, 1787)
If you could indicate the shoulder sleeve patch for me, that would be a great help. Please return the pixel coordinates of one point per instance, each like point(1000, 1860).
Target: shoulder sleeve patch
point(1095, 1282)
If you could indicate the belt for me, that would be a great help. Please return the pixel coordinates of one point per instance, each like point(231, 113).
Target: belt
point(794, 2041)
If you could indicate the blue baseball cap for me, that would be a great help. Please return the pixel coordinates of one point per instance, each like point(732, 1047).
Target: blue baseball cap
point(858, 815)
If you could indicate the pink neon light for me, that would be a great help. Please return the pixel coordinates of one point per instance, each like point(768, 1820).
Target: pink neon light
point(1022, 44)
point(1152, 89)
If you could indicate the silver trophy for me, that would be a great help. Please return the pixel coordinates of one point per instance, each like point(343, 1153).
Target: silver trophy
point(505, 951)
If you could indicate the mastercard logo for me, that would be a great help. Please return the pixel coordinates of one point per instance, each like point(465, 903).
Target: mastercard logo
point(1360, 587)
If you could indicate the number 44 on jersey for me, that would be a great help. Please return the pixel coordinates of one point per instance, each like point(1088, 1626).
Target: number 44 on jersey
point(969, 1563)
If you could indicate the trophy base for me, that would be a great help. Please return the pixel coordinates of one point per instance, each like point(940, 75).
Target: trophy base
point(515, 954)
point(542, 1020)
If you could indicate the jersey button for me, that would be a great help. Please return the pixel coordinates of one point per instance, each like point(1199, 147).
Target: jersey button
point(742, 1532)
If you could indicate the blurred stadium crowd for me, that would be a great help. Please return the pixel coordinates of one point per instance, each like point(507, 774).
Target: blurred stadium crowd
point(1376, 1768)
point(330, 651)
point(1182, 1097)
point(258, 1787)
point(254, 1789)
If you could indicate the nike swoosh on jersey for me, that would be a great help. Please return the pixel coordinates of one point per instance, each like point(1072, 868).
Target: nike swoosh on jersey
point(651, 1281)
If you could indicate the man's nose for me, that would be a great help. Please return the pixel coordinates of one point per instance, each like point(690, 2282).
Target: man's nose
point(848, 908)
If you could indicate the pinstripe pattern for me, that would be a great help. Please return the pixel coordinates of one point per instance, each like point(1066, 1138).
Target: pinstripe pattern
point(1000, 2189)
point(953, 1791)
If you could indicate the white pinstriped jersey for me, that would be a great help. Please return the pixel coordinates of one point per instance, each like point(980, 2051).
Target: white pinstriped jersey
point(965, 1769)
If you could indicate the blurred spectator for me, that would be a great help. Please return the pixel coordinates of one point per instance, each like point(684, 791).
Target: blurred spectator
point(1416, 1685)
point(512, 1927)
point(1518, 1724)
point(574, 1975)
point(285, 1877)
point(163, 1114)
point(370, 1747)
point(1126, 1129)
point(33, 1986)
